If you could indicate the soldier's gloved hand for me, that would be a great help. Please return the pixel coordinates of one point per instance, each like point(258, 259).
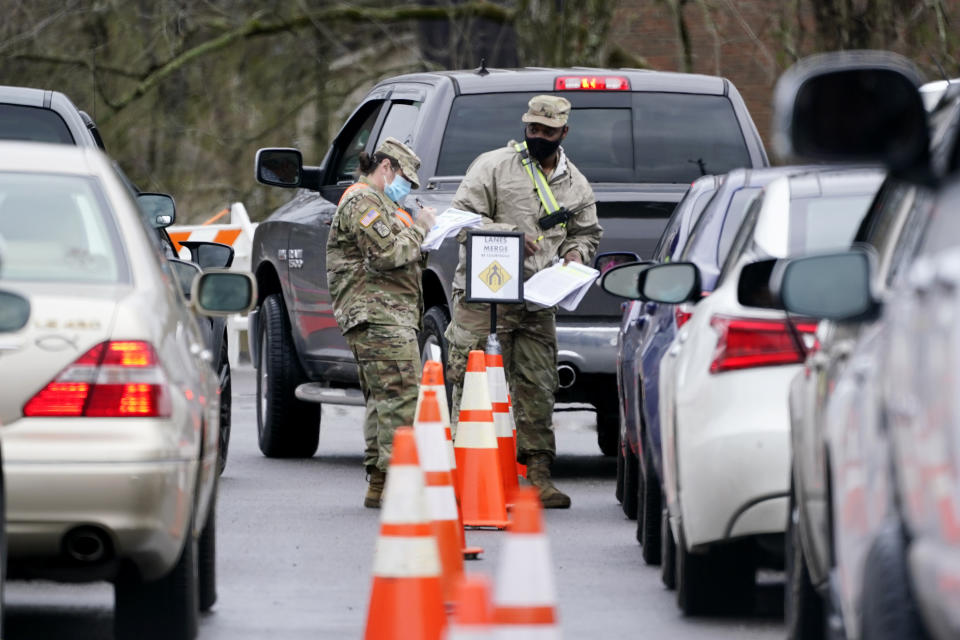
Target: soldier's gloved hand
point(530, 245)
point(428, 215)
point(572, 256)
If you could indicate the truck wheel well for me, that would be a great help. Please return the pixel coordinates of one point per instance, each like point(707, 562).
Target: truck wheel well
point(433, 294)
point(268, 282)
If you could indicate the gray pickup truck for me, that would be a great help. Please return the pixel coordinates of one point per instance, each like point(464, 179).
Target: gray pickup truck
point(640, 137)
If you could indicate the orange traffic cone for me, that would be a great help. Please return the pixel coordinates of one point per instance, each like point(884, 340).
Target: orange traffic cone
point(521, 468)
point(406, 601)
point(478, 463)
point(472, 613)
point(524, 600)
point(502, 419)
point(432, 448)
point(433, 381)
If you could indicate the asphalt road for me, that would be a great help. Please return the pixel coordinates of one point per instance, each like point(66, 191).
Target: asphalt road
point(296, 548)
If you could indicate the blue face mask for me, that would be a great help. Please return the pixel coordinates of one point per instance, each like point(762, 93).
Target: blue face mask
point(398, 189)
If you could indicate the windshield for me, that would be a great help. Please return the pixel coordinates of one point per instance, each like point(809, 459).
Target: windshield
point(18, 122)
point(644, 137)
point(56, 228)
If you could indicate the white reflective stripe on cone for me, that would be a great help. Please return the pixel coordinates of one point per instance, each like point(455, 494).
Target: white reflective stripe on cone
point(456, 632)
point(404, 501)
point(443, 503)
point(475, 394)
point(502, 425)
point(525, 576)
point(475, 435)
point(397, 557)
point(432, 446)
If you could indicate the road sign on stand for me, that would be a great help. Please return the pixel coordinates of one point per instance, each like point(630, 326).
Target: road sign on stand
point(494, 266)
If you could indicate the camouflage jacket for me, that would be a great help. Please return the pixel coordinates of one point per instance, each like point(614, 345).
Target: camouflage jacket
point(499, 188)
point(374, 261)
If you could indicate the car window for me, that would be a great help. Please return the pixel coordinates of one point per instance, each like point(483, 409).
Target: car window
point(655, 137)
point(668, 239)
point(57, 228)
point(742, 237)
point(913, 231)
point(731, 222)
point(826, 223)
point(359, 130)
point(18, 122)
point(698, 208)
point(400, 122)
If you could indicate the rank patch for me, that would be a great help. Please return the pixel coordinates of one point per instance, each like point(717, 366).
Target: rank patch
point(369, 217)
point(381, 228)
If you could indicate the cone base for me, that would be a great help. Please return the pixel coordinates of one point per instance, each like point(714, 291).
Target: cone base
point(405, 609)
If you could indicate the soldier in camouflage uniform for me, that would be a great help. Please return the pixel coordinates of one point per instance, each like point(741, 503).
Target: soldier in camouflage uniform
point(498, 187)
point(373, 269)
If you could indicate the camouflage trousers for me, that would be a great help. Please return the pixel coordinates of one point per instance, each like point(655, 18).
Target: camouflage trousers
point(389, 362)
point(529, 343)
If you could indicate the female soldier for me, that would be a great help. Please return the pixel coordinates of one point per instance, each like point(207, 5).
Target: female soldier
point(373, 269)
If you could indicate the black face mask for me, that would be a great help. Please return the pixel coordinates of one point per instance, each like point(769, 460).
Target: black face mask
point(541, 148)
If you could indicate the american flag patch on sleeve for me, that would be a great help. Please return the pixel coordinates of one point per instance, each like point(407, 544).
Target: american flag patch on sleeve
point(369, 217)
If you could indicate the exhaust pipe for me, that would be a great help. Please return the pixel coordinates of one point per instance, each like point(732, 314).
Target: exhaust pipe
point(567, 375)
point(86, 545)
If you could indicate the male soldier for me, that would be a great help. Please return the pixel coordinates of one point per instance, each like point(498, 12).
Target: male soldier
point(534, 188)
point(373, 269)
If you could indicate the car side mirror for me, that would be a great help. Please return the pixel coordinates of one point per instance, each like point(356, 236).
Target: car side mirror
point(158, 208)
point(671, 283)
point(219, 292)
point(853, 106)
point(278, 167)
point(753, 287)
point(622, 280)
point(14, 311)
point(610, 259)
point(185, 273)
point(209, 255)
point(835, 286)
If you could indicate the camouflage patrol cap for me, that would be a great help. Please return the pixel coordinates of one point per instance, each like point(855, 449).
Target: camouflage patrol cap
point(409, 162)
point(549, 110)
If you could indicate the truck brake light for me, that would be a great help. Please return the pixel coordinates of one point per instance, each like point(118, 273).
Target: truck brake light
point(592, 83)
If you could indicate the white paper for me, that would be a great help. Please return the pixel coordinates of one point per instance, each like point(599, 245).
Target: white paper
point(449, 223)
point(560, 285)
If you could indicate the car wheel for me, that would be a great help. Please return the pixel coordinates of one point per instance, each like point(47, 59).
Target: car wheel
point(618, 490)
point(286, 427)
point(718, 581)
point(888, 609)
point(226, 400)
point(608, 430)
point(163, 609)
point(631, 483)
point(668, 549)
point(803, 606)
point(648, 515)
point(207, 558)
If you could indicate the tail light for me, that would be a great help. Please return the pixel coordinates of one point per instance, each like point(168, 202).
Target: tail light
point(682, 313)
point(116, 379)
point(746, 343)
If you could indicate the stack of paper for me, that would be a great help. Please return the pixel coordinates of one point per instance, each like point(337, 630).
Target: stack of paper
point(560, 285)
point(449, 223)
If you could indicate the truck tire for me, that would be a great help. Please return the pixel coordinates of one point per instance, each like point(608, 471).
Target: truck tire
point(286, 427)
point(432, 343)
point(803, 608)
point(649, 512)
point(163, 609)
point(888, 609)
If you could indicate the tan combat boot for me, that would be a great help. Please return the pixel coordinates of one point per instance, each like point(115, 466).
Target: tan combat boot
point(538, 474)
point(376, 479)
